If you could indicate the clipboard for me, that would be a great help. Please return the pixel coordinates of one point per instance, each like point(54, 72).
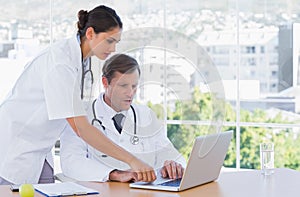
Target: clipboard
point(63, 189)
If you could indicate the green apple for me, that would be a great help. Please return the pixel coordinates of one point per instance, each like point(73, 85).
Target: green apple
point(26, 190)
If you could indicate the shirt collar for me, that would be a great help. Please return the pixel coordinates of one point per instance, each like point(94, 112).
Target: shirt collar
point(86, 61)
point(78, 38)
point(110, 111)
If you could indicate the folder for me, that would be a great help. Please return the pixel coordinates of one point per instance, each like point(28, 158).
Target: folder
point(64, 189)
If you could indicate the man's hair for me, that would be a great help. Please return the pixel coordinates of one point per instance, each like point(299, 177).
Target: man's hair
point(119, 63)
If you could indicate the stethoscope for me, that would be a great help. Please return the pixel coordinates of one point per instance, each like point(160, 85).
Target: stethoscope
point(133, 139)
point(86, 70)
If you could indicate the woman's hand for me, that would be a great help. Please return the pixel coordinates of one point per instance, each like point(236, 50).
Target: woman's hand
point(144, 172)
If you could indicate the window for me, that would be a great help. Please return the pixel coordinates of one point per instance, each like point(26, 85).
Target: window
point(250, 49)
point(262, 49)
point(203, 48)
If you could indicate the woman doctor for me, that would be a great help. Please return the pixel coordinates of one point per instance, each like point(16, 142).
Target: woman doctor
point(47, 97)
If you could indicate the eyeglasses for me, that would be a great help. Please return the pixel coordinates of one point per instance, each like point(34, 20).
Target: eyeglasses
point(87, 80)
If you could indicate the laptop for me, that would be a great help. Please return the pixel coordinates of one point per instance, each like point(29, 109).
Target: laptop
point(204, 164)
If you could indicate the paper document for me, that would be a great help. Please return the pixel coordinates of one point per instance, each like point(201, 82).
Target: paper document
point(63, 189)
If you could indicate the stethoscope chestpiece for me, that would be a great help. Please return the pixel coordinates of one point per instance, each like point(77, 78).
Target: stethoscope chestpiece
point(134, 140)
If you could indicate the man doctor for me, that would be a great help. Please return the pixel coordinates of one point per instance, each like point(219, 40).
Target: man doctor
point(141, 133)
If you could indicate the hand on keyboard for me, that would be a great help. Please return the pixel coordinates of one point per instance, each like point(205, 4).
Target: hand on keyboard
point(172, 169)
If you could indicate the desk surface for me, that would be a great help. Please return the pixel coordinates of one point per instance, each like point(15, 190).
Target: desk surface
point(283, 183)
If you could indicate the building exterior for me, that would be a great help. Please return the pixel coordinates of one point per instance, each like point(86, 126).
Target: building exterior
point(258, 55)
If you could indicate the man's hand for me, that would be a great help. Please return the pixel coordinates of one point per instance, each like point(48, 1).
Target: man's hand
point(123, 176)
point(172, 170)
point(144, 172)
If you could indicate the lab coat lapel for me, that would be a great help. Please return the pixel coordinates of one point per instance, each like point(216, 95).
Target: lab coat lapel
point(75, 52)
point(105, 118)
point(128, 126)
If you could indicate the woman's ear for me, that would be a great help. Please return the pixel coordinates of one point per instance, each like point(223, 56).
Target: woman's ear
point(105, 82)
point(89, 33)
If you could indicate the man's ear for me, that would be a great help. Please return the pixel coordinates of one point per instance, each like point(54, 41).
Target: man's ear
point(89, 33)
point(105, 82)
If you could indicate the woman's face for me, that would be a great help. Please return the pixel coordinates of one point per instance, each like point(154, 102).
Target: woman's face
point(104, 43)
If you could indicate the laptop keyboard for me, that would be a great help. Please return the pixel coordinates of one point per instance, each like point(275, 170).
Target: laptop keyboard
point(172, 183)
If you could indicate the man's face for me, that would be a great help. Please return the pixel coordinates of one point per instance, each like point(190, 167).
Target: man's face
point(121, 90)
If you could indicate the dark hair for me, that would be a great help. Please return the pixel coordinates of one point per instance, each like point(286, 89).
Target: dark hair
point(119, 63)
point(101, 18)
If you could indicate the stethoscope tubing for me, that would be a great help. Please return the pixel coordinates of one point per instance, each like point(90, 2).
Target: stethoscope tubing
point(134, 139)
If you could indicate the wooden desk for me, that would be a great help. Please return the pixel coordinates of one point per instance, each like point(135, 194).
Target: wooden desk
point(283, 183)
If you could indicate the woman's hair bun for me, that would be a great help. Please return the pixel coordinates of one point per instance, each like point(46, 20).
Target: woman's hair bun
point(82, 19)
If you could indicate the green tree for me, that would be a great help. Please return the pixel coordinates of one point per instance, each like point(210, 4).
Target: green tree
point(201, 107)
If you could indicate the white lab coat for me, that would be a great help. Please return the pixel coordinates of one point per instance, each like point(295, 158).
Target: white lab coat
point(34, 113)
point(82, 162)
